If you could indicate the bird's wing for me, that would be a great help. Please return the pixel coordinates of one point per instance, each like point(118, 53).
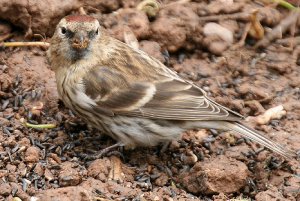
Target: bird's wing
point(166, 98)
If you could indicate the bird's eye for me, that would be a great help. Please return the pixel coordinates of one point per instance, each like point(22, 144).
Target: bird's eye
point(63, 30)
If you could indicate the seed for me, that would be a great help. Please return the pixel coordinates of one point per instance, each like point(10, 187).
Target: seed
point(17, 81)
point(15, 148)
point(33, 94)
point(9, 116)
point(6, 131)
point(16, 102)
point(5, 104)
point(181, 58)
point(25, 183)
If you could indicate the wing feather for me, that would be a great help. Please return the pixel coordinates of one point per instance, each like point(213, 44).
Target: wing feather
point(168, 98)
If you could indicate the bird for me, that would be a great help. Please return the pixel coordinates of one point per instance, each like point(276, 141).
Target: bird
point(131, 96)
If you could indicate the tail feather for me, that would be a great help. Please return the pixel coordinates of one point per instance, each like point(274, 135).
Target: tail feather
point(246, 132)
point(259, 138)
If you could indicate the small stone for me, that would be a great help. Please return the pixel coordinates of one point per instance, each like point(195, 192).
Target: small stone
point(39, 169)
point(11, 141)
point(32, 155)
point(162, 180)
point(220, 175)
point(66, 193)
point(156, 198)
point(271, 195)
point(173, 33)
point(24, 142)
point(174, 145)
point(5, 189)
point(200, 135)
point(11, 178)
point(99, 169)
point(4, 121)
point(153, 49)
point(17, 188)
point(136, 20)
point(3, 173)
point(213, 28)
point(55, 157)
point(69, 176)
point(48, 175)
point(11, 168)
point(190, 158)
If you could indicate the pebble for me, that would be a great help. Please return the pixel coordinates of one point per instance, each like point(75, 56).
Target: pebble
point(69, 176)
point(5, 189)
point(39, 169)
point(32, 155)
point(99, 169)
point(212, 28)
point(219, 175)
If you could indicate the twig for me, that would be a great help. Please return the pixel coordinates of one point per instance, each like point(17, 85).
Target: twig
point(273, 113)
point(176, 2)
point(236, 16)
point(243, 38)
point(289, 41)
point(39, 126)
point(24, 44)
point(280, 29)
point(36, 126)
point(284, 4)
point(256, 30)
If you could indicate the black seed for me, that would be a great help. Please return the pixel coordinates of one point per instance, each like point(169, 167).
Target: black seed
point(16, 102)
point(32, 140)
point(239, 141)
point(24, 185)
point(207, 145)
point(6, 131)
point(33, 94)
point(38, 144)
point(15, 148)
point(14, 192)
point(5, 104)
point(9, 116)
point(259, 150)
point(209, 139)
point(181, 58)
point(7, 149)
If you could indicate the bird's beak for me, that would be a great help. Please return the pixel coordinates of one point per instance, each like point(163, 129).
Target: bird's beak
point(80, 42)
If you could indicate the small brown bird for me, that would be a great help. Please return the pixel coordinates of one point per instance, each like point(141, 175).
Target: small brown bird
point(130, 95)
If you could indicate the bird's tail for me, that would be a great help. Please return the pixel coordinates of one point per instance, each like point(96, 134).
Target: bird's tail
point(248, 133)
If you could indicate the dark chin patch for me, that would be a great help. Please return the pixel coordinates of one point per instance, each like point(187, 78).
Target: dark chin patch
point(78, 54)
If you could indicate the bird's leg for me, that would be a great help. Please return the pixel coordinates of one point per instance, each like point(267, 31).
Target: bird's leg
point(164, 147)
point(103, 152)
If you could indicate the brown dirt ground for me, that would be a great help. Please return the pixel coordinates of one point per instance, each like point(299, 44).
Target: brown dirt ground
point(204, 165)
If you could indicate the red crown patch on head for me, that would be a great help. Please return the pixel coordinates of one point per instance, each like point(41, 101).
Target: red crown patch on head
point(79, 18)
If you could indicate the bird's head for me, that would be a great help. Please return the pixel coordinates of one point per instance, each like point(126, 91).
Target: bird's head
point(75, 35)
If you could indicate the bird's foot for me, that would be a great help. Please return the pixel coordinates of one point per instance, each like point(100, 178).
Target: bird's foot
point(103, 152)
point(164, 147)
